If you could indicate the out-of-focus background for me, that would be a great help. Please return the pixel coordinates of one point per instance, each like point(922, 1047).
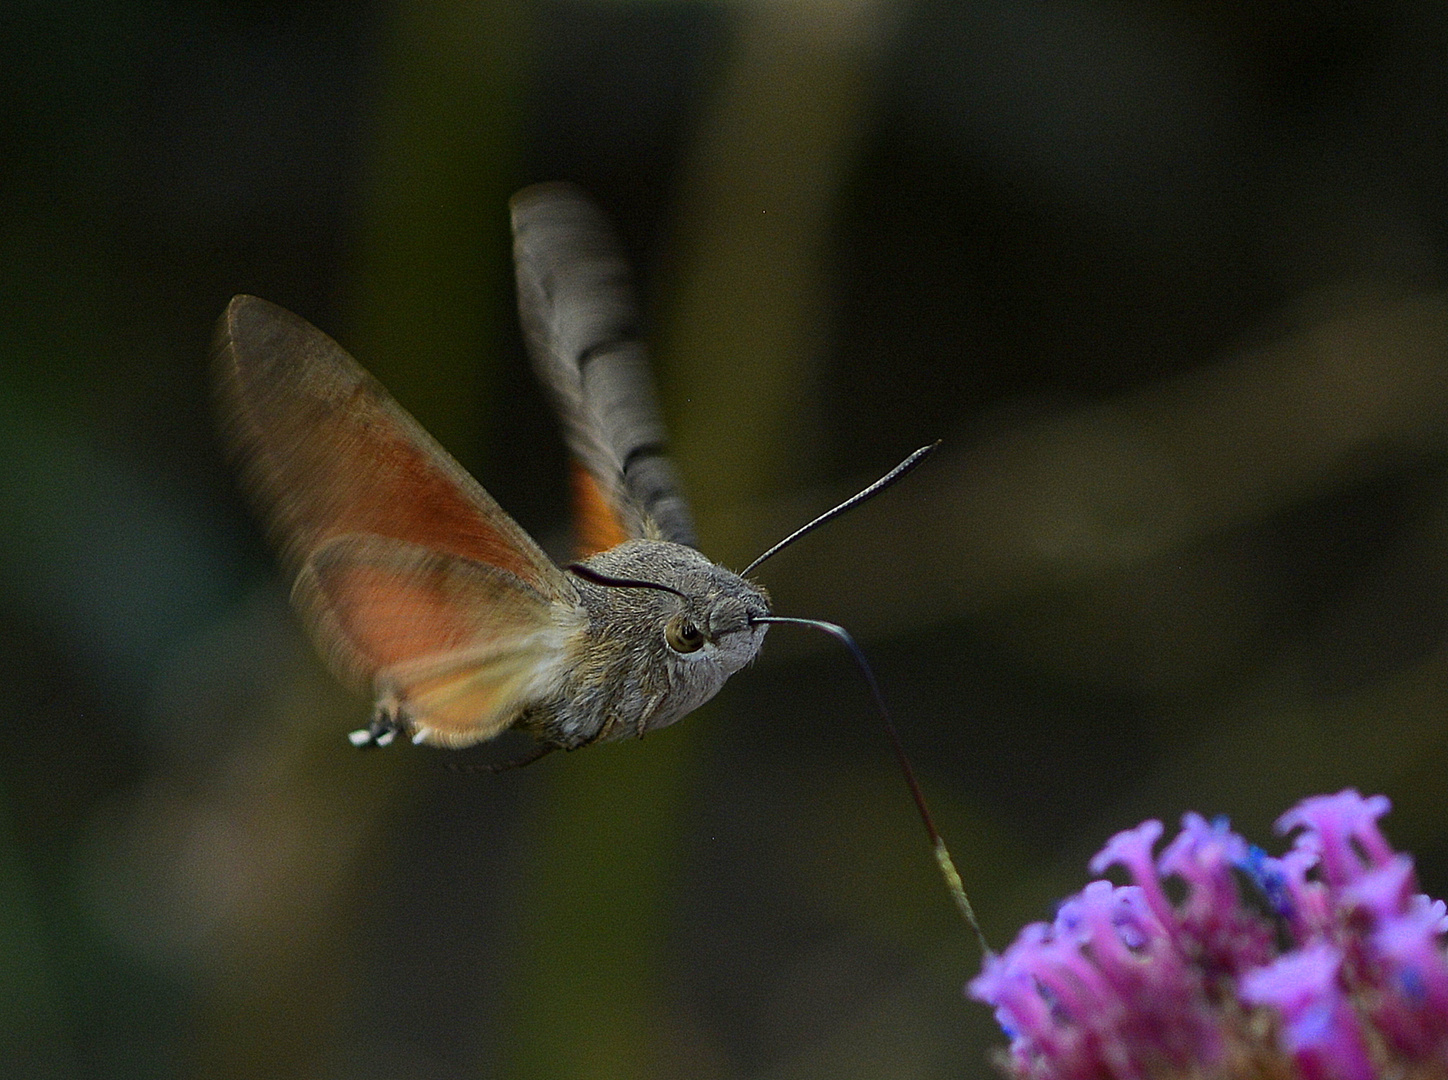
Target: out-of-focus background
point(1168, 278)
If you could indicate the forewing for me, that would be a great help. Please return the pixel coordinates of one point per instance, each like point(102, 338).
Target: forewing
point(580, 320)
point(327, 452)
point(460, 645)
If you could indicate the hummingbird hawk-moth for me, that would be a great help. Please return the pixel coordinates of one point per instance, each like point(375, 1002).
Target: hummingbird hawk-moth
point(414, 583)
point(417, 586)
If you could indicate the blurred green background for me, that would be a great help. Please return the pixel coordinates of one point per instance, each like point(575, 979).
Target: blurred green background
point(1167, 278)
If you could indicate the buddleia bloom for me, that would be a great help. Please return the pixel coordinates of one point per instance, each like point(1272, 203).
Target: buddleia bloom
point(1323, 964)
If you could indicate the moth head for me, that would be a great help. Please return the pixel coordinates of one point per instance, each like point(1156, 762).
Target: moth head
point(699, 617)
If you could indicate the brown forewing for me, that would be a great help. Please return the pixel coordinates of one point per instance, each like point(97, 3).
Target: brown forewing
point(328, 452)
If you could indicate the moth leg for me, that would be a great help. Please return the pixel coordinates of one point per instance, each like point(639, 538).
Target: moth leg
point(541, 750)
point(642, 724)
point(601, 734)
point(387, 722)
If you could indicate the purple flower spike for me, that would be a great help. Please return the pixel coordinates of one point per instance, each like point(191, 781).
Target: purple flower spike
point(1437, 910)
point(1310, 913)
point(1385, 892)
point(1412, 1006)
point(1228, 938)
point(1126, 985)
point(1320, 1028)
point(1332, 824)
point(1102, 992)
point(1131, 850)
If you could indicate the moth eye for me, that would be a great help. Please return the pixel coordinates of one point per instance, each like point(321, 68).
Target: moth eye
point(683, 636)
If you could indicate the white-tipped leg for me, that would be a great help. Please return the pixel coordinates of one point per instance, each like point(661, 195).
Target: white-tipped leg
point(419, 736)
point(365, 738)
point(387, 721)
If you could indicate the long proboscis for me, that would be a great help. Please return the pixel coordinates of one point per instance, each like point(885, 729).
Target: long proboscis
point(953, 883)
point(849, 504)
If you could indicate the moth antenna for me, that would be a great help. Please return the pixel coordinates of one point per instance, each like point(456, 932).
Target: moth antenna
point(587, 573)
point(849, 504)
point(953, 884)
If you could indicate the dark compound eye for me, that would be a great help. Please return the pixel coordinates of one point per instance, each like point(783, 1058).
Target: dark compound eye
point(683, 636)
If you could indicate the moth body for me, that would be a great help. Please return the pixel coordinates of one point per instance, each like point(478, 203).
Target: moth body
point(617, 663)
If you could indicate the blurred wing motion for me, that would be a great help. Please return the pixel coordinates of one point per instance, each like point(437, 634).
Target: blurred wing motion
point(411, 578)
point(580, 319)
